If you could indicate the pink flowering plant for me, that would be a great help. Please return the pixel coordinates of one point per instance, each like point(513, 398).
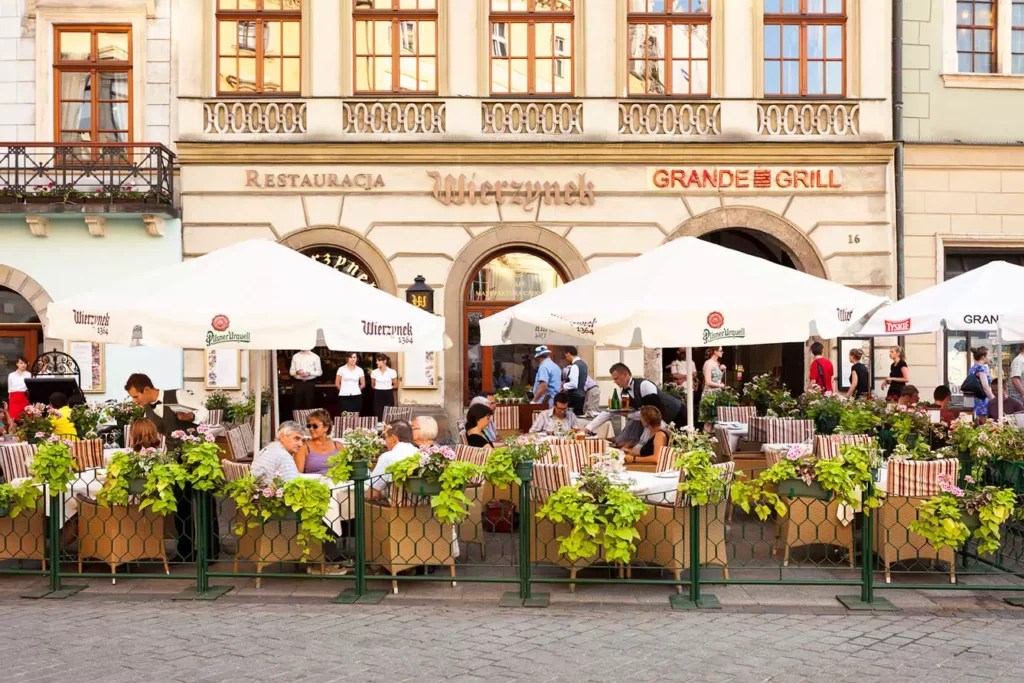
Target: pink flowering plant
point(200, 457)
point(53, 465)
point(356, 444)
point(438, 464)
point(259, 500)
point(161, 476)
point(35, 425)
point(958, 515)
point(126, 411)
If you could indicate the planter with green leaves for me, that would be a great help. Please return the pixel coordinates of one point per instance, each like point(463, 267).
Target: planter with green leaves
point(53, 466)
point(217, 400)
point(150, 473)
point(846, 478)
point(702, 483)
point(798, 488)
point(356, 445)
point(769, 397)
point(502, 468)
point(35, 425)
point(15, 499)
point(714, 399)
point(603, 514)
point(827, 412)
point(200, 458)
point(859, 417)
point(261, 500)
point(958, 515)
point(435, 472)
point(87, 419)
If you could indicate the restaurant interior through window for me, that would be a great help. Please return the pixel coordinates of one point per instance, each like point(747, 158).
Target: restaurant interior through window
point(21, 334)
point(324, 391)
point(503, 281)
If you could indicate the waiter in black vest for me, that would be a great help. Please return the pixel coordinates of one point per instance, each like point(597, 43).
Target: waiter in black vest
point(576, 380)
point(155, 402)
point(641, 392)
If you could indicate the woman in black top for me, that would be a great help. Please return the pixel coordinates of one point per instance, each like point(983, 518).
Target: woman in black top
point(860, 378)
point(651, 418)
point(899, 374)
point(477, 419)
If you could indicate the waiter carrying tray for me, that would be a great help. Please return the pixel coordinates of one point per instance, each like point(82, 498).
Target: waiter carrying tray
point(641, 392)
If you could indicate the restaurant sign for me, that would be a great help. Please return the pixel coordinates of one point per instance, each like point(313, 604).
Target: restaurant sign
point(528, 194)
point(313, 181)
point(714, 178)
point(342, 261)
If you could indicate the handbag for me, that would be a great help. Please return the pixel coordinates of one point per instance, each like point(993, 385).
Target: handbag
point(972, 385)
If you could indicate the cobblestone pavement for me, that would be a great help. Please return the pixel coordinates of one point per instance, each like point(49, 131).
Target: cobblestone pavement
point(118, 640)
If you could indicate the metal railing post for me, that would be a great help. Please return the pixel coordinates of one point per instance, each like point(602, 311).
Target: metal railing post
point(524, 597)
point(360, 475)
point(56, 512)
point(199, 499)
point(694, 600)
point(867, 601)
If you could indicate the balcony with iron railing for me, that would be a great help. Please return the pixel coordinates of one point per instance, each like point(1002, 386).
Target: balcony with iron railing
point(90, 179)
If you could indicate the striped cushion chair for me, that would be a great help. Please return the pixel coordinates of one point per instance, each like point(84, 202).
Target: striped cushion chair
point(667, 459)
point(757, 429)
point(393, 413)
point(785, 430)
point(828, 447)
point(346, 422)
point(471, 529)
point(506, 418)
point(88, 453)
point(301, 416)
point(15, 459)
point(548, 478)
point(215, 416)
point(235, 470)
point(908, 484)
point(241, 442)
point(736, 413)
point(572, 455)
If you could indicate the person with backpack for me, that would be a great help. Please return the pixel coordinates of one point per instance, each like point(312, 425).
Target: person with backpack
point(823, 373)
point(979, 383)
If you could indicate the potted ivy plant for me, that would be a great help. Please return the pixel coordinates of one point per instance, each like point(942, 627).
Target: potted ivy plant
point(506, 465)
point(712, 400)
point(826, 410)
point(217, 400)
point(356, 444)
point(15, 499)
point(87, 418)
point(759, 392)
point(435, 472)
point(200, 457)
point(702, 483)
point(53, 466)
point(124, 413)
point(151, 473)
point(958, 515)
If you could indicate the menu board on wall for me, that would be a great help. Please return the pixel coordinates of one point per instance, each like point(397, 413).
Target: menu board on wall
point(419, 369)
point(843, 348)
point(223, 369)
point(89, 356)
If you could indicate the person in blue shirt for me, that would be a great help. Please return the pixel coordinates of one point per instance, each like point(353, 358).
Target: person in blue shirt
point(549, 377)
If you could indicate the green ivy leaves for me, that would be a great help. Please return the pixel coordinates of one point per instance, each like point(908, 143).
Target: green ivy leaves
point(53, 466)
point(608, 523)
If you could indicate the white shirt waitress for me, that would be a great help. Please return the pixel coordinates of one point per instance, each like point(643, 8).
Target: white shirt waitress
point(350, 381)
point(385, 381)
point(17, 390)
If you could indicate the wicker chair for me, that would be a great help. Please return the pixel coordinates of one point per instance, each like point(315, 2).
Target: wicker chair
point(393, 413)
point(588, 446)
point(346, 422)
point(575, 457)
point(908, 484)
point(403, 534)
point(272, 541)
point(826, 447)
point(88, 454)
point(544, 547)
point(471, 531)
point(241, 442)
point(119, 534)
point(667, 459)
point(811, 522)
point(24, 537)
point(301, 416)
point(15, 459)
point(664, 532)
point(214, 416)
point(235, 470)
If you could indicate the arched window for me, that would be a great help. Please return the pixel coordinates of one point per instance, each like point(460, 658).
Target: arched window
point(20, 333)
point(501, 282)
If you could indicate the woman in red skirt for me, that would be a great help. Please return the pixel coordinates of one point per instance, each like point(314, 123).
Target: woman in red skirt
point(16, 389)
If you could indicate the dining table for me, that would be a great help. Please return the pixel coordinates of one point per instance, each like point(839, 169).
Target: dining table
point(656, 488)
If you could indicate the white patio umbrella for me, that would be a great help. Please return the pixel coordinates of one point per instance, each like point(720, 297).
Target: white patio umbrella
point(985, 299)
point(689, 293)
point(254, 295)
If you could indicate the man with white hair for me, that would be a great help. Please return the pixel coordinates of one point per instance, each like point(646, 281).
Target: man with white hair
point(424, 431)
point(279, 456)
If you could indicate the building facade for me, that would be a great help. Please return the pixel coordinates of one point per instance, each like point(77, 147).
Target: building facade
point(86, 172)
point(963, 73)
point(499, 148)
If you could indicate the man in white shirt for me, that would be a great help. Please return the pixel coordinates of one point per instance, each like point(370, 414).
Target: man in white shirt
point(1016, 386)
point(398, 439)
point(641, 392)
point(305, 369)
point(678, 368)
point(558, 420)
point(280, 455)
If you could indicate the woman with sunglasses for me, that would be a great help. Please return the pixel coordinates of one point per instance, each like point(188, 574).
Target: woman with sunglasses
point(319, 447)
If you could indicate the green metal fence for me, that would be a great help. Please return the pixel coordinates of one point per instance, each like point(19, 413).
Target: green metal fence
point(379, 543)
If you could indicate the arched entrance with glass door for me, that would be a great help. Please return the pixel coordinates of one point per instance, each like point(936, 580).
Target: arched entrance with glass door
point(21, 333)
point(505, 279)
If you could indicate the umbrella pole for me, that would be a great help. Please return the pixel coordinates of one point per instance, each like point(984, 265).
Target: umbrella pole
point(999, 379)
point(258, 417)
point(275, 422)
point(689, 388)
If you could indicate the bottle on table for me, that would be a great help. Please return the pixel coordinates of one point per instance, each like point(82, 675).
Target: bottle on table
point(614, 402)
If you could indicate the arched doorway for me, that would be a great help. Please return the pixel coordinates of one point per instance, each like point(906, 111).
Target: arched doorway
point(501, 281)
point(21, 333)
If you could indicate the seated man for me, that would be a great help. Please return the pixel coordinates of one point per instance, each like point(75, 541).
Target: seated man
point(398, 438)
point(424, 430)
point(280, 455)
point(1011, 406)
point(557, 420)
point(910, 396)
point(942, 397)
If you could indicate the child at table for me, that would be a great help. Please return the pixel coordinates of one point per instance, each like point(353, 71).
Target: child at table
point(62, 426)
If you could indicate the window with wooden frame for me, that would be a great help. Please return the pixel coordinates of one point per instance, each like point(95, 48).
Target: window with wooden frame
point(1017, 37)
point(532, 47)
point(669, 47)
point(259, 47)
point(395, 46)
point(975, 36)
point(805, 48)
point(92, 76)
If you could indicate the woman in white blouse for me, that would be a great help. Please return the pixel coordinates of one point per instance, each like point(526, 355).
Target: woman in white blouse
point(350, 381)
point(17, 390)
point(385, 381)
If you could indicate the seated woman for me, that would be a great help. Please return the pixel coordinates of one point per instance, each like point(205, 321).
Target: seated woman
point(477, 419)
point(144, 435)
point(319, 447)
point(62, 426)
point(648, 452)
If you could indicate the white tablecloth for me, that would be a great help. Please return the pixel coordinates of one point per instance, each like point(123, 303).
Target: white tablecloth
point(737, 433)
point(652, 487)
point(88, 483)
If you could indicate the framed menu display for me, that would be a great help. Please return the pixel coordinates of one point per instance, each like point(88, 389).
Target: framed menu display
point(90, 359)
point(222, 369)
point(845, 367)
point(419, 369)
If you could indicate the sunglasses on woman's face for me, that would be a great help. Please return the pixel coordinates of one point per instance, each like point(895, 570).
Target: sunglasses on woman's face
point(314, 425)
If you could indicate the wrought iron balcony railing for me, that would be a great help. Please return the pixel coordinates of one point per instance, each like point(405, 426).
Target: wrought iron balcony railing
point(126, 177)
